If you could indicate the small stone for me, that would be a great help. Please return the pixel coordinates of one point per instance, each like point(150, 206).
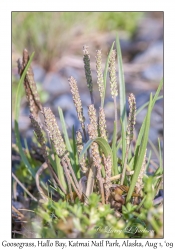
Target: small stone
point(150, 29)
point(65, 102)
point(69, 71)
point(153, 72)
point(55, 84)
point(39, 73)
point(153, 54)
point(141, 99)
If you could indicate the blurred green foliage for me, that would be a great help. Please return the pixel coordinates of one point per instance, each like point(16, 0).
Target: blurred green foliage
point(50, 33)
point(126, 21)
point(63, 220)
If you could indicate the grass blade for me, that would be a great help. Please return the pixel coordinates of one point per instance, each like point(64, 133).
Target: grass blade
point(63, 124)
point(17, 108)
point(148, 161)
point(146, 104)
point(74, 146)
point(114, 150)
point(103, 144)
point(60, 173)
point(160, 154)
point(143, 146)
point(123, 142)
point(67, 141)
point(121, 84)
point(143, 124)
point(105, 74)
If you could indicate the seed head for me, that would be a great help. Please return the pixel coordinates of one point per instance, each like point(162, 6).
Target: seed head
point(54, 132)
point(132, 118)
point(79, 149)
point(112, 74)
point(77, 100)
point(93, 121)
point(99, 73)
point(102, 124)
point(86, 59)
point(30, 85)
point(39, 133)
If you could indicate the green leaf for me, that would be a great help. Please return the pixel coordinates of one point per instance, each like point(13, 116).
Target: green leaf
point(75, 151)
point(58, 168)
point(28, 152)
point(67, 141)
point(141, 152)
point(160, 154)
point(103, 144)
point(148, 161)
point(123, 142)
point(63, 124)
point(143, 124)
point(121, 84)
point(60, 173)
point(146, 104)
point(105, 74)
point(17, 109)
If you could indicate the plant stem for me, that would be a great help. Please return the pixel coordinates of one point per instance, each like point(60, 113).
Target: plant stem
point(68, 180)
point(125, 164)
point(16, 179)
point(73, 174)
point(90, 181)
point(115, 110)
point(118, 176)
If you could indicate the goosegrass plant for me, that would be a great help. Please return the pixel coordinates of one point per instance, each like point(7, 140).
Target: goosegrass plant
point(91, 188)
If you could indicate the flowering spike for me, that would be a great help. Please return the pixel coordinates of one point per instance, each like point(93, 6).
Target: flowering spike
point(77, 100)
point(102, 124)
point(40, 137)
point(86, 59)
point(100, 80)
point(79, 149)
point(93, 120)
point(54, 132)
point(132, 118)
point(30, 85)
point(112, 74)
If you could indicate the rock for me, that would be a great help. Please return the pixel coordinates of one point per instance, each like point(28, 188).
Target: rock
point(64, 101)
point(141, 99)
point(55, 84)
point(153, 72)
point(39, 73)
point(85, 98)
point(17, 205)
point(150, 29)
point(153, 54)
point(70, 71)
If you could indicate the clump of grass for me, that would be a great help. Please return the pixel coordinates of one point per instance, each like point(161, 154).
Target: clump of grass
point(120, 184)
